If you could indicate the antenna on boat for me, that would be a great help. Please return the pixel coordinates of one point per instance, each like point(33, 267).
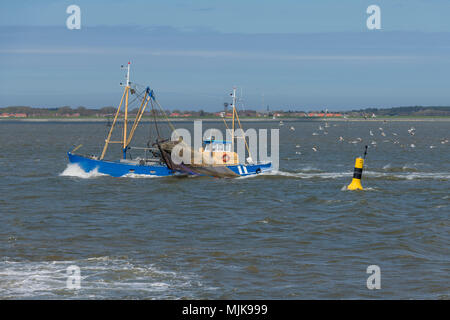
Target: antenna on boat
point(233, 106)
point(128, 74)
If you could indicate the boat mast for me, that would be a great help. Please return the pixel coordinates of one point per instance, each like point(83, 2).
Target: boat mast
point(125, 120)
point(236, 116)
point(124, 96)
point(234, 112)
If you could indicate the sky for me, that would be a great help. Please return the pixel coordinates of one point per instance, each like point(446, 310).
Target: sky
point(291, 55)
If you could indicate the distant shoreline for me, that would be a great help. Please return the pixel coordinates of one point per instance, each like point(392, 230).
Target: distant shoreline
point(409, 119)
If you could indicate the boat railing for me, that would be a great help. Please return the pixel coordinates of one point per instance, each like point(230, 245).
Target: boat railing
point(150, 154)
point(143, 148)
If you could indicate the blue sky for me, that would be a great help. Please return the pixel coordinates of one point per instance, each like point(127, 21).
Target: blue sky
point(287, 54)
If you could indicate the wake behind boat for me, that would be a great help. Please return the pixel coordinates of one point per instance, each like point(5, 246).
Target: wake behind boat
point(217, 157)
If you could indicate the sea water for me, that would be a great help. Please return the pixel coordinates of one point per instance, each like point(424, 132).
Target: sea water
point(292, 234)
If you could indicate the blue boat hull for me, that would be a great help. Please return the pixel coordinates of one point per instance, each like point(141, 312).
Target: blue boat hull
point(119, 169)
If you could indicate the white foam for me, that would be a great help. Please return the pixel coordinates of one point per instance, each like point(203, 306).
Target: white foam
point(134, 175)
point(102, 277)
point(309, 168)
point(344, 188)
point(74, 170)
point(307, 175)
point(410, 176)
point(374, 174)
point(428, 175)
point(388, 166)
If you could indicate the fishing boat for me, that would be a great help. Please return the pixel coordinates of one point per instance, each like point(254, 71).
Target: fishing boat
point(217, 156)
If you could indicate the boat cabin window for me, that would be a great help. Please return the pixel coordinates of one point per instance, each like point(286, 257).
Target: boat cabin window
point(218, 147)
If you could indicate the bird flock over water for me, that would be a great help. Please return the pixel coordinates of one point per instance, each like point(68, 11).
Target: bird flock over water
point(386, 137)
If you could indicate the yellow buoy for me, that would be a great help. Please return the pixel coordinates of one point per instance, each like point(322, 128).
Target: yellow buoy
point(357, 174)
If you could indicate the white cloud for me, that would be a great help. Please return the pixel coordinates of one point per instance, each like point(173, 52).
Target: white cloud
point(209, 54)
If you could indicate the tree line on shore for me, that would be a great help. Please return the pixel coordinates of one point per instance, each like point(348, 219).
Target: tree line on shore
point(67, 111)
point(407, 111)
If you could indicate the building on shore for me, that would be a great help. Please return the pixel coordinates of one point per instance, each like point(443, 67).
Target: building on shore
point(13, 115)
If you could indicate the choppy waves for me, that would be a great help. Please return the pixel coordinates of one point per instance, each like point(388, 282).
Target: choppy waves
point(99, 277)
point(387, 172)
point(74, 170)
point(370, 174)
